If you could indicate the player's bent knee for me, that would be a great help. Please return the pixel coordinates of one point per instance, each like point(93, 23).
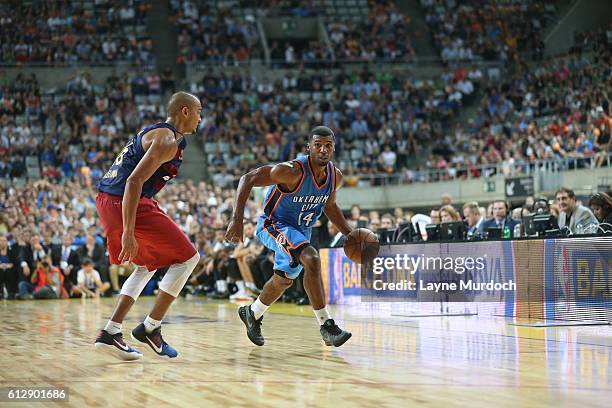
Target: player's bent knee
point(136, 282)
point(282, 281)
point(310, 259)
point(175, 278)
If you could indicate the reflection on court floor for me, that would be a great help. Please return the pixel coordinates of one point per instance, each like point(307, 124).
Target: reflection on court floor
point(393, 359)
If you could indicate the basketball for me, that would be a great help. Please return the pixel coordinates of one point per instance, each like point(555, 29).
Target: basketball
point(361, 245)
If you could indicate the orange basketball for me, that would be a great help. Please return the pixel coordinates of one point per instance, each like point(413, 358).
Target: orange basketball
point(361, 245)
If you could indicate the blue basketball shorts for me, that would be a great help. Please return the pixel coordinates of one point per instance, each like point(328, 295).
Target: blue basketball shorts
point(286, 241)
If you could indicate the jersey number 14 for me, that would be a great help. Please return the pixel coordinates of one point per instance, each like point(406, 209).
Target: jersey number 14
point(305, 218)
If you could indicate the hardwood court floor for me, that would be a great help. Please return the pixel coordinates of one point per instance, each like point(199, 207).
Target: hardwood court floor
point(390, 361)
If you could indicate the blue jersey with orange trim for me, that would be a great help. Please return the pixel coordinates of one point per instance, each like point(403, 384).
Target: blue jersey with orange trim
point(302, 207)
point(114, 180)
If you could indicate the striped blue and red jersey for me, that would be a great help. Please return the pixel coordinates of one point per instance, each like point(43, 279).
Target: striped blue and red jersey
point(302, 207)
point(115, 178)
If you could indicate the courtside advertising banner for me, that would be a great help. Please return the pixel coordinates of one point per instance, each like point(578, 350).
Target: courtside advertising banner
point(567, 279)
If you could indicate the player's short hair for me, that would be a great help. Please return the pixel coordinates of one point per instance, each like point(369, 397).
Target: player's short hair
point(322, 131)
point(87, 262)
point(179, 100)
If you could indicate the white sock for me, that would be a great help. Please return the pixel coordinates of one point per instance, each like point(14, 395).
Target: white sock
point(241, 286)
point(251, 285)
point(151, 324)
point(322, 315)
point(258, 308)
point(112, 327)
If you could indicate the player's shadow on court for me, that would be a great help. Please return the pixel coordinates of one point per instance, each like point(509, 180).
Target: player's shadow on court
point(264, 358)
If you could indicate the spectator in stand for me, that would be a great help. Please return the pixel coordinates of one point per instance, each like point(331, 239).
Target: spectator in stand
point(355, 215)
point(336, 238)
point(37, 252)
point(96, 252)
point(245, 254)
point(8, 278)
point(89, 282)
point(68, 260)
point(446, 200)
point(119, 272)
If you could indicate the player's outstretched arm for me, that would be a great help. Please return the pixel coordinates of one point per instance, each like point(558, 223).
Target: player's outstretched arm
point(285, 174)
point(333, 212)
point(162, 149)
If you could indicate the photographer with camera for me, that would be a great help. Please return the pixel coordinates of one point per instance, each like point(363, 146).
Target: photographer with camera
point(45, 283)
point(540, 206)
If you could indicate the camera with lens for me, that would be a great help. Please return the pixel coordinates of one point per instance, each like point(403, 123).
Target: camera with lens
point(541, 223)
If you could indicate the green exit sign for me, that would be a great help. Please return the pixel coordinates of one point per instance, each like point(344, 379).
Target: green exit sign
point(289, 25)
point(489, 187)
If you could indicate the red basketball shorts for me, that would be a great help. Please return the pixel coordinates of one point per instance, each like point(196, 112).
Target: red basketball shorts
point(160, 241)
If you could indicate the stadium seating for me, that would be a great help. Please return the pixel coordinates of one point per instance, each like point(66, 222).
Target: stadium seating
point(358, 31)
point(74, 32)
point(212, 31)
point(390, 125)
point(491, 30)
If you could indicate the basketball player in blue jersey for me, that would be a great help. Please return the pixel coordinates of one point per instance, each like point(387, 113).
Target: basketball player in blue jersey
point(300, 191)
point(138, 231)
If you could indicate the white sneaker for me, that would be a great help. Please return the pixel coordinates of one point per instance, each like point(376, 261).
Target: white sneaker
point(240, 295)
point(253, 289)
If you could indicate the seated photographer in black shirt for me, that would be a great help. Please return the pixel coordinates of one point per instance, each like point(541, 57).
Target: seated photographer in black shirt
point(541, 222)
point(540, 206)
